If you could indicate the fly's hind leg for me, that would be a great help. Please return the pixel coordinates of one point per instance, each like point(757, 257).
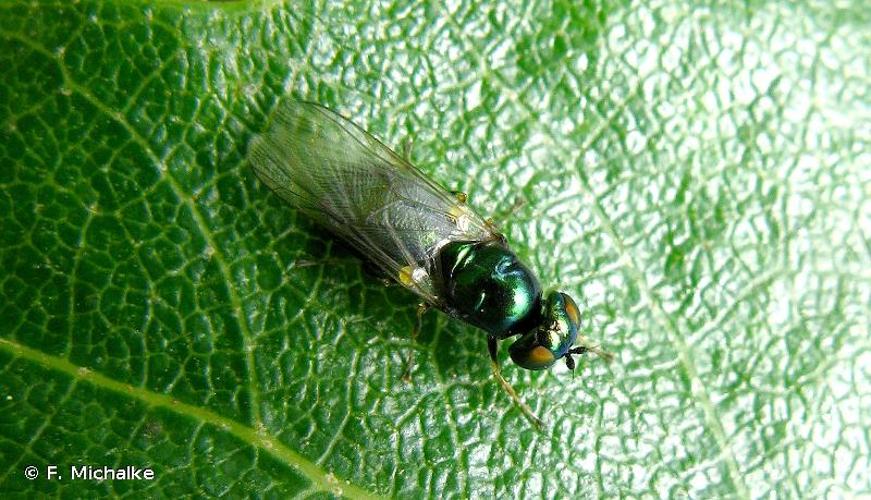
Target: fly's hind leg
point(373, 271)
point(422, 308)
point(497, 372)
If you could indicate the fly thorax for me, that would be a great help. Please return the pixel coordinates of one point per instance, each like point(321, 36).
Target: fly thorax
point(487, 285)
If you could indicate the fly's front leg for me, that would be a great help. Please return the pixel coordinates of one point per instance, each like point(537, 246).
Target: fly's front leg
point(422, 308)
point(497, 372)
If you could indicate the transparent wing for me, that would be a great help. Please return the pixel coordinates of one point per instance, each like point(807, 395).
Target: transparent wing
point(355, 186)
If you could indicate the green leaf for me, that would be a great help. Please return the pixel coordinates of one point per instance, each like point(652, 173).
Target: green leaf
point(696, 174)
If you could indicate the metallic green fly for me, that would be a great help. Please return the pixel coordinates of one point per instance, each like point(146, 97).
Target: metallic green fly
point(418, 233)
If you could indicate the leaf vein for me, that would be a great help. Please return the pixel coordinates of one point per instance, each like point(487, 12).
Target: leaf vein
point(220, 258)
point(321, 479)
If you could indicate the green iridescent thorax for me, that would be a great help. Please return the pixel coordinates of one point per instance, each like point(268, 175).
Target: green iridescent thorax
point(487, 286)
point(543, 346)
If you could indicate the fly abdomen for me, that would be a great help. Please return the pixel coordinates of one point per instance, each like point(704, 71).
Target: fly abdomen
point(485, 284)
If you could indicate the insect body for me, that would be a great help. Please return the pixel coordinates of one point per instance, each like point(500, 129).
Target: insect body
point(416, 232)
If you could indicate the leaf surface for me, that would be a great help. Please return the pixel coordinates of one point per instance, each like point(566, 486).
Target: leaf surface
point(696, 175)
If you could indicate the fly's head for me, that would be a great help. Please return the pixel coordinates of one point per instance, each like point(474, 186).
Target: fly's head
point(543, 346)
point(554, 338)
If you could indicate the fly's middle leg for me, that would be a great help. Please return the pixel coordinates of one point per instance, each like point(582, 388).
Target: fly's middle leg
point(422, 308)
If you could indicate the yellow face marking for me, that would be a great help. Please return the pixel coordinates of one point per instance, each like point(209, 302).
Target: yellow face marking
point(405, 276)
point(572, 310)
point(540, 356)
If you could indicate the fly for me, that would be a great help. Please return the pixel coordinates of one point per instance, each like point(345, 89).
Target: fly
point(418, 233)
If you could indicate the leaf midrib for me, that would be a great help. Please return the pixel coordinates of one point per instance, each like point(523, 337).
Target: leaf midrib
point(260, 439)
point(185, 199)
point(322, 480)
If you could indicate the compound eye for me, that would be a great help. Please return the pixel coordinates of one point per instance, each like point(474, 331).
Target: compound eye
point(529, 353)
point(571, 310)
point(562, 315)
